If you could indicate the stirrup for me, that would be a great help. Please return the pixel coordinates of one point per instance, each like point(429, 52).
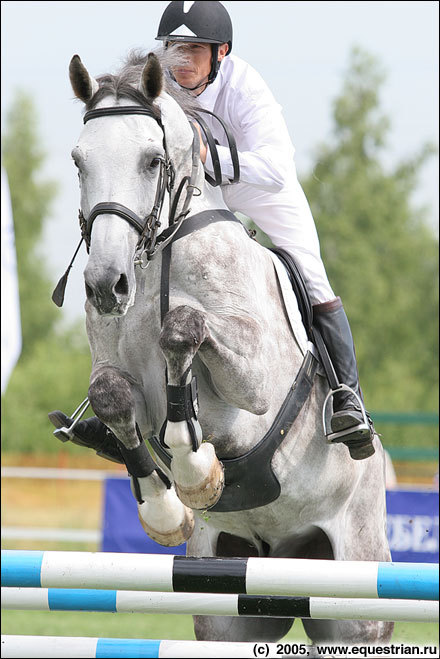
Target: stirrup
point(66, 434)
point(335, 437)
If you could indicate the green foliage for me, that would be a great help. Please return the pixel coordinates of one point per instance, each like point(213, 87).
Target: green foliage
point(54, 376)
point(381, 256)
point(31, 200)
point(54, 366)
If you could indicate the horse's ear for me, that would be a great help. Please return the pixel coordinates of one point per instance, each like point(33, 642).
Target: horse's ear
point(152, 77)
point(83, 85)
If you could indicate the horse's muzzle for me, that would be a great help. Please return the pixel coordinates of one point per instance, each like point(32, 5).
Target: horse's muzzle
point(110, 294)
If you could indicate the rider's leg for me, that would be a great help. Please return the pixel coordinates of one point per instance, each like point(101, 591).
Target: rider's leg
point(332, 322)
point(286, 218)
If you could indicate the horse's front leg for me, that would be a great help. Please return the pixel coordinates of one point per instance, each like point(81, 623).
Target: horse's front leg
point(162, 515)
point(197, 472)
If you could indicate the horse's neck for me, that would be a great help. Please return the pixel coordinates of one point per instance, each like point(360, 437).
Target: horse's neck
point(205, 196)
point(210, 198)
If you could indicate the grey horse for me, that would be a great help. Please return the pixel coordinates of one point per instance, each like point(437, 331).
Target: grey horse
point(228, 321)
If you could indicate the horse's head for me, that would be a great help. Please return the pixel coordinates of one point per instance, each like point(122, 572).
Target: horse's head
point(135, 141)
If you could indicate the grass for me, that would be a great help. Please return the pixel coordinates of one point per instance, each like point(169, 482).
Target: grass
point(160, 626)
point(76, 504)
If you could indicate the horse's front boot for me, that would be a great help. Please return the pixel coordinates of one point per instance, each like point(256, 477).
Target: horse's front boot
point(332, 322)
point(91, 433)
point(197, 472)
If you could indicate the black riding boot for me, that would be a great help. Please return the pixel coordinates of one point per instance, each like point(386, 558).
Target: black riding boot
point(332, 322)
point(91, 433)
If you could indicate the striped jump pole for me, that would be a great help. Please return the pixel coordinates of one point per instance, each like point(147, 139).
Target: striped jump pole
point(251, 576)
point(72, 647)
point(132, 601)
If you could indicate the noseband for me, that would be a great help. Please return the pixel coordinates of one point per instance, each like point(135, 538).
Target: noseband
point(149, 242)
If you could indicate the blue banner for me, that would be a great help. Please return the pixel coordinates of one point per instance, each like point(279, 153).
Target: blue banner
point(121, 528)
point(412, 522)
point(412, 525)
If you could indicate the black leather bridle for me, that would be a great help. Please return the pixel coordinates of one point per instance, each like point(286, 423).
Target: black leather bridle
point(150, 243)
point(148, 226)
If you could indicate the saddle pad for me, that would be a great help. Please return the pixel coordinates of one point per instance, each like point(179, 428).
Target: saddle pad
point(290, 304)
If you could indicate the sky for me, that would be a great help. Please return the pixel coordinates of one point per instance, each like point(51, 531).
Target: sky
point(300, 48)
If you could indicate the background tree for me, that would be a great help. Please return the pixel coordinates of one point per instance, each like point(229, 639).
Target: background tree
point(54, 365)
point(380, 254)
point(31, 200)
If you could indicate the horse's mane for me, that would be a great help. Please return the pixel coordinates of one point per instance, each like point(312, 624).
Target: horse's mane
point(125, 83)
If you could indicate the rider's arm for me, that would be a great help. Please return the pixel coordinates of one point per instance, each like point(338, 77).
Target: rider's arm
point(266, 153)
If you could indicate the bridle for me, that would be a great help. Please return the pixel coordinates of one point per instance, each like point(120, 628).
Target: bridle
point(149, 243)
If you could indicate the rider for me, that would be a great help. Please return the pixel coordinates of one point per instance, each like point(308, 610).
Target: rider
point(268, 192)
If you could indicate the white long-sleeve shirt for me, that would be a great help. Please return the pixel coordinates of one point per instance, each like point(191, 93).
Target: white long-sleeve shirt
point(268, 192)
point(240, 97)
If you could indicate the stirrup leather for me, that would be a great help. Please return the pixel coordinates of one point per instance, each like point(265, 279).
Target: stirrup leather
point(66, 434)
point(334, 437)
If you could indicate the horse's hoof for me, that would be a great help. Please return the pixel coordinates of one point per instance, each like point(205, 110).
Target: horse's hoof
point(170, 524)
point(204, 495)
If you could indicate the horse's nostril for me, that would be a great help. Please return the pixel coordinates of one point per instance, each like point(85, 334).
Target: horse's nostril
point(122, 285)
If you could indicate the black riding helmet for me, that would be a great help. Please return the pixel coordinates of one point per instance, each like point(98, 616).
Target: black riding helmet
point(197, 22)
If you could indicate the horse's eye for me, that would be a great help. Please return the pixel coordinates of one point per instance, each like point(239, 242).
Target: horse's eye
point(155, 163)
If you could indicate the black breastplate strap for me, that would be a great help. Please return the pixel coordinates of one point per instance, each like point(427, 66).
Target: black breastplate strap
point(191, 223)
point(249, 479)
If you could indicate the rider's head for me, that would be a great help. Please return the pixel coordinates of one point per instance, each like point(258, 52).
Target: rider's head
point(204, 32)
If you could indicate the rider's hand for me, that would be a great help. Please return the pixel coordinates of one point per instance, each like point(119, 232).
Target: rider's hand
point(203, 147)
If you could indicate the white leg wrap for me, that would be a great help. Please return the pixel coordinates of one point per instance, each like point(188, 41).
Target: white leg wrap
point(162, 515)
point(198, 474)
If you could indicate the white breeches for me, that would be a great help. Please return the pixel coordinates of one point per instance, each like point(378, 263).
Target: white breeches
point(286, 218)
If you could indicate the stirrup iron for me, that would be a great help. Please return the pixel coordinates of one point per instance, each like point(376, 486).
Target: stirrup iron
point(66, 434)
point(334, 437)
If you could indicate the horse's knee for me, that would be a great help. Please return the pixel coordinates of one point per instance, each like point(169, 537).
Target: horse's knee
point(183, 331)
point(111, 398)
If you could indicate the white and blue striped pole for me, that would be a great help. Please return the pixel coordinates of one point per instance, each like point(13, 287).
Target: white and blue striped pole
point(251, 576)
point(132, 601)
point(71, 647)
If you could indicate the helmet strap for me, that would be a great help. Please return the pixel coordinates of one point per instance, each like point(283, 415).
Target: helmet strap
point(215, 64)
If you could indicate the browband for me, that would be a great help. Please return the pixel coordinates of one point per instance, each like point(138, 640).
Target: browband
point(122, 109)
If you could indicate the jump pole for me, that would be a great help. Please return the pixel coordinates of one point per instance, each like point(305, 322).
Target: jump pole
point(251, 576)
point(72, 647)
point(126, 601)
